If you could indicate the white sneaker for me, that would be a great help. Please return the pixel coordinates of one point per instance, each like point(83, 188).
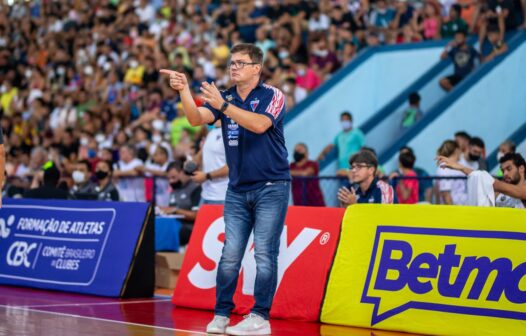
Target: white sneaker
point(218, 325)
point(253, 324)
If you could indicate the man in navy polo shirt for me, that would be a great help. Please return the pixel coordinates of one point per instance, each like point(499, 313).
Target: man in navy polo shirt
point(251, 116)
point(367, 187)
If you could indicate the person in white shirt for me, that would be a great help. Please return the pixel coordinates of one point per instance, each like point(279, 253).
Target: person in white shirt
point(157, 167)
point(511, 192)
point(128, 170)
point(451, 191)
point(214, 176)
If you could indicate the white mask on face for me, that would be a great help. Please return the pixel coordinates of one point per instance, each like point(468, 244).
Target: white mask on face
point(283, 54)
point(134, 64)
point(78, 176)
point(346, 125)
point(84, 141)
point(156, 138)
point(500, 155)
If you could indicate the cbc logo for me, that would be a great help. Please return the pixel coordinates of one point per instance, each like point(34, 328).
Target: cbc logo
point(18, 254)
point(4, 226)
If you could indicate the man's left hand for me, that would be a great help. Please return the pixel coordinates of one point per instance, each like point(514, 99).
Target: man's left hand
point(211, 95)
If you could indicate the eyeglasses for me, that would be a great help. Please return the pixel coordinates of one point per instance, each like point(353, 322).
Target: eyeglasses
point(239, 64)
point(359, 166)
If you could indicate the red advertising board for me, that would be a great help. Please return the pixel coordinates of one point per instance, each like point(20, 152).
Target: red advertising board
point(307, 248)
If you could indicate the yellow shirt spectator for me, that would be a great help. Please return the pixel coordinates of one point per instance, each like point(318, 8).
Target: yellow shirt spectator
point(134, 74)
point(7, 99)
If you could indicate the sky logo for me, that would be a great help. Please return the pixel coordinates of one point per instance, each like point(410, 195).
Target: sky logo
point(454, 271)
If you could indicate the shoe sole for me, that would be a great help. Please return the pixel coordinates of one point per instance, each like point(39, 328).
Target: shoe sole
point(215, 331)
point(264, 331)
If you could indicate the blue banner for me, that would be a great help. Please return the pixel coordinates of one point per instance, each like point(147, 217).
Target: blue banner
point(78, 246)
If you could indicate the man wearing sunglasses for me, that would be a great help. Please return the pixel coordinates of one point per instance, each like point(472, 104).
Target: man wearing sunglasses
point(367, 188)
point(251, 116)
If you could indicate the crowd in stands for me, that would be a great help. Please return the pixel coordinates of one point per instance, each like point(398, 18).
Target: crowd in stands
point(84, 110)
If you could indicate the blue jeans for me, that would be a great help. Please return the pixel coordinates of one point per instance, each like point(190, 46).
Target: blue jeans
point(262, 210)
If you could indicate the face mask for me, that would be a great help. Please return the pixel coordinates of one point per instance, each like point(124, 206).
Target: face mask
point(176, 185)
point(298, 156)
point(346, 125)
point(301, 72)
point(156, 138)
point(158, 125)
point(78, 176)
point(473, 157)
point(84, 141)
point(134, 64)
point(321, 53)
point(500, 155)
point(286, 88)
point(100, 138)
point(283, 54)
point(201, 60)
point(101, 175)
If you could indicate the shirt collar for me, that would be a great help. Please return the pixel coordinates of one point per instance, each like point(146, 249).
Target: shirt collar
point(368, 191)
point(233, 91)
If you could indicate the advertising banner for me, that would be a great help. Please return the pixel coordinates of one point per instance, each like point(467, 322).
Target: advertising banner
point(78, 246)
point(445, 270)
point(308, 244)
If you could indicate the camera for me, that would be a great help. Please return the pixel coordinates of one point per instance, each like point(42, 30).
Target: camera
point(190, 167)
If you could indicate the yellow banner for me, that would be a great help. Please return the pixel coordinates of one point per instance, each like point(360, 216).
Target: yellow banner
point(443, 270)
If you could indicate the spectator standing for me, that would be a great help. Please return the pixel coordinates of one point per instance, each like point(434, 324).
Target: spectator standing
point(305, 183)
point(347, 143)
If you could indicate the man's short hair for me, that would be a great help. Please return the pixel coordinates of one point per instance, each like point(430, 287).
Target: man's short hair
point(177, 164)
point(364, 156)
point(414, 98)
point(407, 159)
point(86, 163)
point(254, 52)
point(463, 134)
point(511, 145)
point(457, 8)
point(516, 158)
point(476, 141)
point(346, 114)
point(51, 175)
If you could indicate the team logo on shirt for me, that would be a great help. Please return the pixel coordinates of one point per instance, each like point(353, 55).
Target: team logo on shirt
point(229, 98)
point(254, 104)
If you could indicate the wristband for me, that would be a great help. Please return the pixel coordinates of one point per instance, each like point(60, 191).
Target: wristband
point(208, 176)
point(224, 107)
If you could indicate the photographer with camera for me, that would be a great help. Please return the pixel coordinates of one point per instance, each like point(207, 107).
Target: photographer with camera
point(184, 198)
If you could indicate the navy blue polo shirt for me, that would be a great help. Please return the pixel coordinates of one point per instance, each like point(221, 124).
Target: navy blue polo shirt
point(379, 192)
point(255, 159)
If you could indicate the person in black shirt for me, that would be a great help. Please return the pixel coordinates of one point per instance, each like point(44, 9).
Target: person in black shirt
point(464, 58)
point(501, 15)
point(105, 189)
point(49, 189)
point(498, 46)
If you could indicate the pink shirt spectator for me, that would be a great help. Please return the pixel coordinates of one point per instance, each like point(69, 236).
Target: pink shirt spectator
point(309, 81)
point(431, 27)
point(411, 184)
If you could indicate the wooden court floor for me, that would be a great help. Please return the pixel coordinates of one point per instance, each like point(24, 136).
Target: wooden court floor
point(28, 312)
